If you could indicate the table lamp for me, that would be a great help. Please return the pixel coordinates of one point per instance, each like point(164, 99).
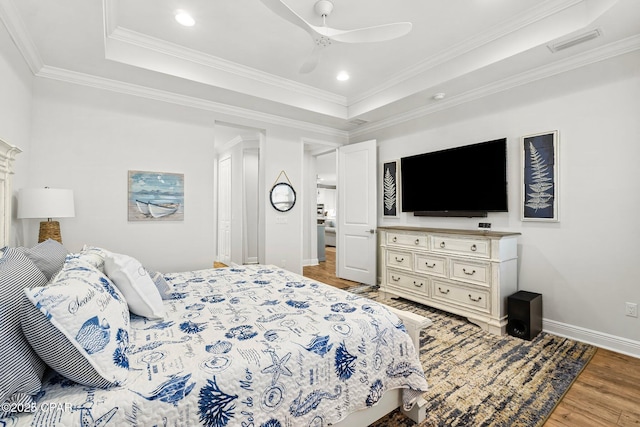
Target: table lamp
point(46, 203)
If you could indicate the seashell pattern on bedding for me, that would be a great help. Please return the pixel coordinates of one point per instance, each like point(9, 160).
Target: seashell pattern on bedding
point(256, 345)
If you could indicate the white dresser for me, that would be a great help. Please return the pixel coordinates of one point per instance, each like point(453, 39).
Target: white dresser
point(466, 272)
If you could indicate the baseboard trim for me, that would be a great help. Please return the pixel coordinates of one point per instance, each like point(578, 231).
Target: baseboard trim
point(310, 262)
point(599, 339)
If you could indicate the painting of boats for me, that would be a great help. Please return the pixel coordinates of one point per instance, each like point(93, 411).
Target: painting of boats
point(156, 196)
point(157, 210)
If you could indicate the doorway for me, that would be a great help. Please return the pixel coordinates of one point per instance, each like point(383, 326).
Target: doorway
point(324, 216)
point(238, 183)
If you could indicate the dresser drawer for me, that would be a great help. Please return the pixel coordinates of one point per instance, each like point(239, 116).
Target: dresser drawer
point(407, 281)
point(472, 272)
point(399, 259)
point(461, 246)
point(431, 265)
point(408, 240)
point(447, 292)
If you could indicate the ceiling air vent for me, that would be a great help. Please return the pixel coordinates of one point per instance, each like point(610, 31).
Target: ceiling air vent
point(357, 122)
point(565, 44)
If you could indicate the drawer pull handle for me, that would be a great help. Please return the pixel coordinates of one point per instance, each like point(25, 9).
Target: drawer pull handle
point(474, 248)
point(417, 242)
point(395, 279)
point(467, 273)
point(474, 300)
point(395, 239)
point(399, 259)
point(430, 266)
point(445, 291)
point(442, 245)
point(417, 285)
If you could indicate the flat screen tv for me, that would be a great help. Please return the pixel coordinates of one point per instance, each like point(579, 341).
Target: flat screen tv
point(464, 181)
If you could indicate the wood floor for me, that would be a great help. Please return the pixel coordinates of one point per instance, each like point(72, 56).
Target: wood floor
point(326, 271)
point(605, 394)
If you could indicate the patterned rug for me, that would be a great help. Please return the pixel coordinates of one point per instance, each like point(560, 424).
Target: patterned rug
point(479, 379)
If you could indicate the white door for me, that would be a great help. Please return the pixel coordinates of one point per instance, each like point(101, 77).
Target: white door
point(224, 210)
point(356, 213)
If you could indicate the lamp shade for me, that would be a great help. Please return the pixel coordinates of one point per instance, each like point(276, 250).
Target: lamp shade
point(45, 203)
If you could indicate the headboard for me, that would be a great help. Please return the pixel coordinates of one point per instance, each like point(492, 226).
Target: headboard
point(7, 155)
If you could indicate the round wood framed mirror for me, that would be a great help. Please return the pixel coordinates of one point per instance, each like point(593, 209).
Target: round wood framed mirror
point(282, 196)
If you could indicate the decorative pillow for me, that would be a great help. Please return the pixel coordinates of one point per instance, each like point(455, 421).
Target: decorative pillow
point(49, 256)
point(79, 325)
point(21, 369)
point(161, 284)
point(137, 287)
point(91, 255)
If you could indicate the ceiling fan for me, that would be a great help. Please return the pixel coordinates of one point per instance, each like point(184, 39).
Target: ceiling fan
point(324, 36)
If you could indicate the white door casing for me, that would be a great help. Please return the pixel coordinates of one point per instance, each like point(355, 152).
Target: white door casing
point(224, 210)
point(357, 212)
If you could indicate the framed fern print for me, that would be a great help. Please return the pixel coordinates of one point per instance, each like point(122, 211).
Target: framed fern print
point(540, 177)
point(390, 188)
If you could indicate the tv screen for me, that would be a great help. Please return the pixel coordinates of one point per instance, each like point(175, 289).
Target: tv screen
point(467, 178)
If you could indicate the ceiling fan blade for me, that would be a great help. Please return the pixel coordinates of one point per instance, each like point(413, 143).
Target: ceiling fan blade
point(378, 33)
point(286, 13)
point(312, 61)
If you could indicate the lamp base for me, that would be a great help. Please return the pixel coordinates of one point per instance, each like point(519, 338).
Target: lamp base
point(49, 230)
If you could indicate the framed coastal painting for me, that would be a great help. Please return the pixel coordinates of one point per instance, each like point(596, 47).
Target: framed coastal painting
point(390, 188)
point(540, 197)
point(156, 196)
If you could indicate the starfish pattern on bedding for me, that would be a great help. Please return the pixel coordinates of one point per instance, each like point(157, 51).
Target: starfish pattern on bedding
point(278, 368)
point(379, 339)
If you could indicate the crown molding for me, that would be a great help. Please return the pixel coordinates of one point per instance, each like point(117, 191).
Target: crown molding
point(550, 20)
point(601, 53)
point(17, 30)
point(187, 101)
point(544, 10)
point(180, 52)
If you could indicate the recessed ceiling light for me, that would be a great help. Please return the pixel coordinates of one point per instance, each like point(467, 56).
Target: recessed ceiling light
point(342, 76)
point(185, 19)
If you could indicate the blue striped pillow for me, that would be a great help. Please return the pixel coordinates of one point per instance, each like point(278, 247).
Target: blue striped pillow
point(21, 369)
point(48, 256)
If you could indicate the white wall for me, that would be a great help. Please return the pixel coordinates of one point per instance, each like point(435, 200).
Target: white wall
point(15, 113)
point(88, 140)
point(284, 230)
point(585, 264)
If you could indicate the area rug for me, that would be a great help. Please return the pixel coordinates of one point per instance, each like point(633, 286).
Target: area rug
point(479, 379)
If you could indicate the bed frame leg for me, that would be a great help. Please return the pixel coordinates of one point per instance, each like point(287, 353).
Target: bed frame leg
point(418, 413)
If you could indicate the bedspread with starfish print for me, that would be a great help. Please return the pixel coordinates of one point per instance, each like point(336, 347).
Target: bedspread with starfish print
point(249, 346)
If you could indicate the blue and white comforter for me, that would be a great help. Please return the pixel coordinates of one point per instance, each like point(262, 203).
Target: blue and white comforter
point(252, 346)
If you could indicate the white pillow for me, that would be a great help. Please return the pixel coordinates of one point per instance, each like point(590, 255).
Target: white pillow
point(79, 325)
point(135, 284)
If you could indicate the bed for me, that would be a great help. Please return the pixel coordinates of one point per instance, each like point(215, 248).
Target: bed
point(102, 341)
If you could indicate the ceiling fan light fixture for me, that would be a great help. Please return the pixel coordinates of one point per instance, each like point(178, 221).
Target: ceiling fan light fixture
point(342, 76)
point(323, 7)
point(185, 19)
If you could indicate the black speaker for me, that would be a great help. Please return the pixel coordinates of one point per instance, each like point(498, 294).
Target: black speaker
point(525, 315)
